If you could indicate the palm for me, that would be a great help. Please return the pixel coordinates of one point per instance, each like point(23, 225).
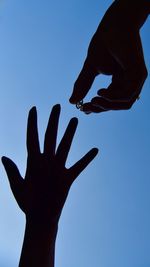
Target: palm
point(45, 189)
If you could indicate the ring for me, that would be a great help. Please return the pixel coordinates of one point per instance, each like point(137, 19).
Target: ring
point(79, 104)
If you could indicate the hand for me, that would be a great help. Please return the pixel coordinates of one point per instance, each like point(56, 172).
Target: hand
point(116, 50)
point(43, 192)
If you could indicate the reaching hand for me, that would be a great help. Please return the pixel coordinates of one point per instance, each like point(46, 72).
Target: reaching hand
point(42, 194)
point(116, 50)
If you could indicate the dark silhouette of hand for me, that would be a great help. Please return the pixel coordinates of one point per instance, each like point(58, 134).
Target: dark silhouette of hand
point(116, 50)
point(41, 195)
point(43, 192)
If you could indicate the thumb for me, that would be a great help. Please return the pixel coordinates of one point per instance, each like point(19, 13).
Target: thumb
point(13, 174)
point(80, 165)
point(83, 82)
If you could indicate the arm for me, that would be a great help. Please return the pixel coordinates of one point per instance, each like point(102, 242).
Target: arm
point(42, 193)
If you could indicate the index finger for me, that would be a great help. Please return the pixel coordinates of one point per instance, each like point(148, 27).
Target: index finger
point(83, 82)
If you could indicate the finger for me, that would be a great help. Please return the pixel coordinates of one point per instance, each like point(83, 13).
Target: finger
point(108, 105)
point(79, 166)
point(118, 95)
point(90, 108)
point(101, 91)
point(65, 144)
point(83, 82)
point(33, 146)
point(51, 131)
point(111, 95)
point(13, 174)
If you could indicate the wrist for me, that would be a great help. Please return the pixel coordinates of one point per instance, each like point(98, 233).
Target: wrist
point(41, 226)
point(41, 235)
point(39, 244)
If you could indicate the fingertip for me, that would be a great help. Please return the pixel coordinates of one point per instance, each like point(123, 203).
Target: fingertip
point(71, 100)
point(84, 109)
point(57, 107)
point(33, 109)
point(32, 118)
point(95, 151)
point(101, 91)
point(4, 159)
point(32, 113)
point(74, 121)
point(77, 95)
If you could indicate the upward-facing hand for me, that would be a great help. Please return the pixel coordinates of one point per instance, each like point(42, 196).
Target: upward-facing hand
point(116, 50)
point(42, 194)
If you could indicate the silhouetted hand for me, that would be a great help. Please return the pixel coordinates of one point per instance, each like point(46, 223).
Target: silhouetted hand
point(43, 192)
point(116, 50)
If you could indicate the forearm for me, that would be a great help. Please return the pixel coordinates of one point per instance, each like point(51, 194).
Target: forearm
point(38, 247)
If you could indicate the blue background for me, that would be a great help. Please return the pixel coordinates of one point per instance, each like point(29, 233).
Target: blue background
point(106, 219)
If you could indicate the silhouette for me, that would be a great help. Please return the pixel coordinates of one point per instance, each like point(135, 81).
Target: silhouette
point(115, 49)
point(42, 193)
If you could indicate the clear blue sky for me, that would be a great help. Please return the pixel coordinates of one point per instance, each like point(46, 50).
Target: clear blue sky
point(106, 220)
